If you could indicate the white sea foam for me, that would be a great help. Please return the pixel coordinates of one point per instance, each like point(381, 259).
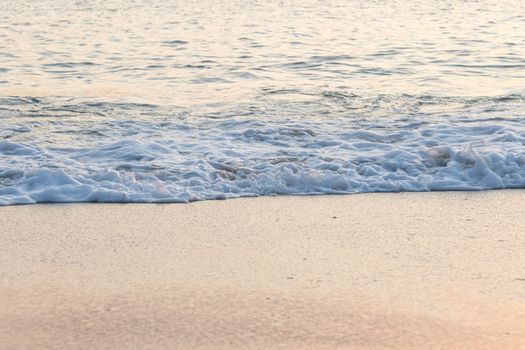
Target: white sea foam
point(262, 97)
point(166, 158)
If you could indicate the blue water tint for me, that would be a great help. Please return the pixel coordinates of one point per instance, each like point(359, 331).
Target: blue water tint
point(170, 101)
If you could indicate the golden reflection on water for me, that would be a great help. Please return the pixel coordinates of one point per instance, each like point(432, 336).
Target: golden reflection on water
point(217, 52)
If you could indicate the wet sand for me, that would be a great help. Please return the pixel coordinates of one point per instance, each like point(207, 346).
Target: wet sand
point(374, 271)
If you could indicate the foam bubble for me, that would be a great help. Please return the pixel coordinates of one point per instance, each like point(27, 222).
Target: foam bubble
point(165, 159)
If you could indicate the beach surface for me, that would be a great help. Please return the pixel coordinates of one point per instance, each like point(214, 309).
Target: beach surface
point(441, 270)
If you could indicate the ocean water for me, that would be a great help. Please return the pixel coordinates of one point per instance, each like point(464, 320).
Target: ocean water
point(176, 101)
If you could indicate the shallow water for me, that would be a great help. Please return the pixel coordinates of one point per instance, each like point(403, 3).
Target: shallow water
point(175, 101)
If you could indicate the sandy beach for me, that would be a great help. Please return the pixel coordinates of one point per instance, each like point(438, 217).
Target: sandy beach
point(441, 270)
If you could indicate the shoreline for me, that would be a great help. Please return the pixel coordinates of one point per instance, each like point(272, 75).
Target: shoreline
point(300, 195)
point(375, 271)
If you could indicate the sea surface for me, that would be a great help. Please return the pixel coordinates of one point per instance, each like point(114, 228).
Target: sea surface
point(176, 101)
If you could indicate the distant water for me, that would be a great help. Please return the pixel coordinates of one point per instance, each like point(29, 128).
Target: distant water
point(151, 101)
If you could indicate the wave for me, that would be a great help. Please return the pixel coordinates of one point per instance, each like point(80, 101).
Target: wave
point(66, 150)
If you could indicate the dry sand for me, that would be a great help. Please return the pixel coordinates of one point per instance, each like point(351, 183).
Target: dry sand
point(374, 271)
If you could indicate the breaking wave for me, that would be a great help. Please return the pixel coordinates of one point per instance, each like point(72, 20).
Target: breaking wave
point(284, 142)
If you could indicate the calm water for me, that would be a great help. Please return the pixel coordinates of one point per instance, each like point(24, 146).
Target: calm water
point(176, 101)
